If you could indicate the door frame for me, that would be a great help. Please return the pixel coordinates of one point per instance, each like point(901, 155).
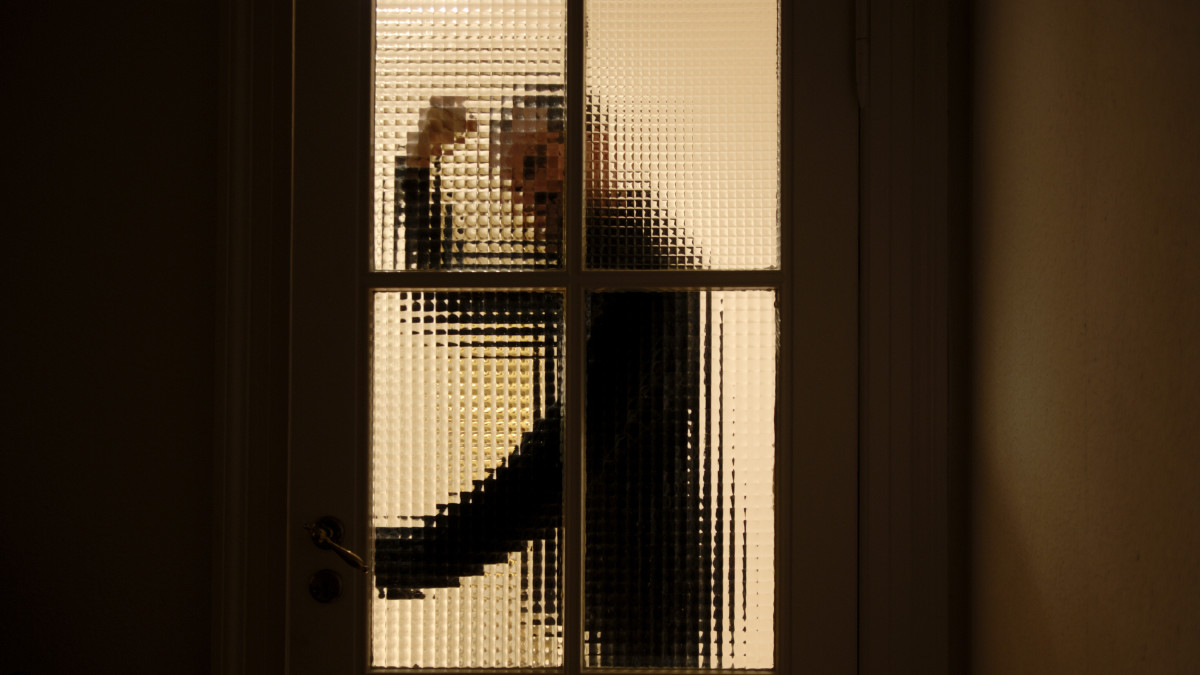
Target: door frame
point(249, 593)
point(914, 225)
point(912, 348)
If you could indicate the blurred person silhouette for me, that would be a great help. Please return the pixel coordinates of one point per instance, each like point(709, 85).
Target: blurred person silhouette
point(655, 564)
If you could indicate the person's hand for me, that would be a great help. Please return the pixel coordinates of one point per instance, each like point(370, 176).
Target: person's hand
point(442, 123)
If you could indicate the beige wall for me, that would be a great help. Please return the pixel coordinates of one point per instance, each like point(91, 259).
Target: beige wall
point(1086, 492)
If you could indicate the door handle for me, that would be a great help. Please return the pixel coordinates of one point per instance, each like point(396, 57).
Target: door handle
point(326, 533)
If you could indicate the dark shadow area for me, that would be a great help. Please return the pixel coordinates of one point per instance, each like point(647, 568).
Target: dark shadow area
point(110, 195)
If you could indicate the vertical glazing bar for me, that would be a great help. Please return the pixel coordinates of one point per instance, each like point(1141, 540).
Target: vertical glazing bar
point(573, 245)
point(575, 130)
point(572, 592)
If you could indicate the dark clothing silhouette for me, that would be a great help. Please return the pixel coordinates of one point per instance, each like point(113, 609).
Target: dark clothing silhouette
point(653, 583)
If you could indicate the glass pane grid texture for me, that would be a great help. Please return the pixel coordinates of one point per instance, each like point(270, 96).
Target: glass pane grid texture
point(466, 91)
point(679, 503)
point(466, 470)
point(682, 123)
point(468, 409)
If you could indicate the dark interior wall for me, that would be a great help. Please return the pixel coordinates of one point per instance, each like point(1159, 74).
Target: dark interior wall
point(1086, 510)
point(110, 210)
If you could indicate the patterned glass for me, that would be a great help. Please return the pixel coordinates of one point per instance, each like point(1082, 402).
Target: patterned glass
point(468, 134)
point(682, 115)
point(466, 465)
point(679, 502)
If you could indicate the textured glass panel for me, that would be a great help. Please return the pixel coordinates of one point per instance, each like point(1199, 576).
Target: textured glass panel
point(679, 508)
point(468, 133)
point(466, 472)
point(682, 134)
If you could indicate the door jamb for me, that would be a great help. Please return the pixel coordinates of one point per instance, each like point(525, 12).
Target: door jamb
point(252, 271)
point(914, 354)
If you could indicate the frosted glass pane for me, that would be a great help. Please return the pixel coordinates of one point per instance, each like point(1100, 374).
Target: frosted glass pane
point(468, 134)
point(466, 479)
point(682, 134)
point(679, 507)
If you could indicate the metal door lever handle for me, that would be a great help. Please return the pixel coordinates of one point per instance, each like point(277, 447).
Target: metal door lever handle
point(326, 534)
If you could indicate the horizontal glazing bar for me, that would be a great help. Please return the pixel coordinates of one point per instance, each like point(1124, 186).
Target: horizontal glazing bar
point(559, 670)
point(591, 279)
point(476, 671)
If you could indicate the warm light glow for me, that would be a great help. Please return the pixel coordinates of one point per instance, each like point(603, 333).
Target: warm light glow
point(488, 62)
point(459, 382)
point(681, 172)
point(683, 134)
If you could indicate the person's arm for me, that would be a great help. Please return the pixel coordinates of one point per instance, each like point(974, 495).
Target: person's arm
point(441, 124)
point(418, 202)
